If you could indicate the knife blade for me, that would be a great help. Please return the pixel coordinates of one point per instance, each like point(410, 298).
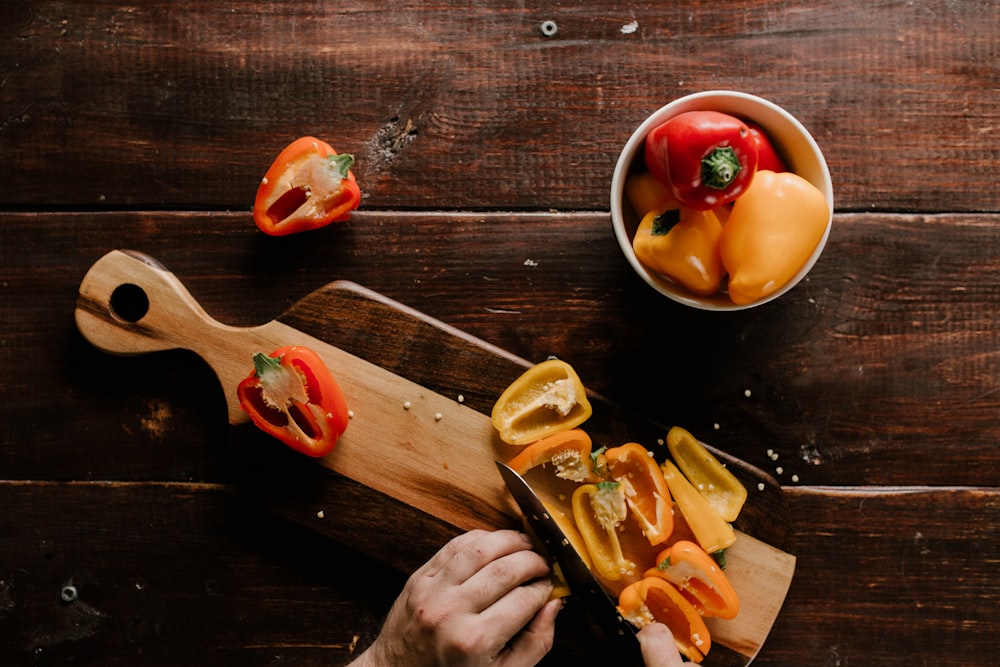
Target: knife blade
point(596, 604)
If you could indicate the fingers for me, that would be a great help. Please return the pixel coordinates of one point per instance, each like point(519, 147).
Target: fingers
point(658, 647)
point(469, 553)
point(535, 641)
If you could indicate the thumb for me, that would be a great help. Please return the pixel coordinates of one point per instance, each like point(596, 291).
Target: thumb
point(658, 647)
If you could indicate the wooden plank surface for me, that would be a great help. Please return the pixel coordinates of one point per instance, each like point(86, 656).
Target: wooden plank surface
point(164, 104)
point(485, 153)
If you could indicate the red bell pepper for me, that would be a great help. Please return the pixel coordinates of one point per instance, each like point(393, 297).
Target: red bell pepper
point(292, 396)
point(308, 186)
point(707, 158)
point(767, 155)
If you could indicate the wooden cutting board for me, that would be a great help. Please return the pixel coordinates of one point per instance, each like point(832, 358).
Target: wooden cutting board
point(416, 464)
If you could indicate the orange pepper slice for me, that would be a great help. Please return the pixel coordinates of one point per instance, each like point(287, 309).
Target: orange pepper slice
point(654, 599)
point(688, 567)
point(646, 491)
point(569, 451)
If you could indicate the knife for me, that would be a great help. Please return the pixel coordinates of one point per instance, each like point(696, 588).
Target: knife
point(596, 604)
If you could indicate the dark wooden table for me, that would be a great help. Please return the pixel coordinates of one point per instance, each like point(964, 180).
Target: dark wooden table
point(485, 151)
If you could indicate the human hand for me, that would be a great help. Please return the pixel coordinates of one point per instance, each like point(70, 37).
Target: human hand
point(483, 599)
point(658, 647)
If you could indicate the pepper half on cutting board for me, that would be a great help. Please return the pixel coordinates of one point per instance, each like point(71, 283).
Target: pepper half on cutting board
point(307, 187)
point(292, 396)
point(547, 398)
point(721, 488)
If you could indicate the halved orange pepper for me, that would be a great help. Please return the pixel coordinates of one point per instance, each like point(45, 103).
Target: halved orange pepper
point(547, 398)
point(711, 530)
point(646, 491)
point(655, 599)
point(569, 451)
point(695, 573)
point(720, 487)
point(597, 522)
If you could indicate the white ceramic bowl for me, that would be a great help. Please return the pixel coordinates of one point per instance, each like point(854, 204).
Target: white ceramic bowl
point(792, 141)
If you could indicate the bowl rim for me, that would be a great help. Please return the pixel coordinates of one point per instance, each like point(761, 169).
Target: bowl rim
point(708, 100)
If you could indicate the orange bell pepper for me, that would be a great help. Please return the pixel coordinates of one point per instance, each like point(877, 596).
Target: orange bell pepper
point(683, 246)
point(646, 491)
point(772, 231)
point(647, 193)
point(711, 530)
point(547, 398)
point(695, 573)
point(307, 187)
point(655, 599)
point(721, 488)
point(597, 511)
point(569, 451)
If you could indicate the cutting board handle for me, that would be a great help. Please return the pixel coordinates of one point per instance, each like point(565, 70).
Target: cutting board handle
point(130, 304)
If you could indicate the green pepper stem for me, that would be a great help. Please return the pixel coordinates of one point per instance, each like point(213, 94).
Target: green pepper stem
point(719, 168)
point(341, 163)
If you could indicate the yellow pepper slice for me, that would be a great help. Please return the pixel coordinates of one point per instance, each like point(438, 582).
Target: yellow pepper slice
point(719, 486)
point(683, 246)
point(710, 529)
point(772, 231)
point(598, 529)
point(547, 398)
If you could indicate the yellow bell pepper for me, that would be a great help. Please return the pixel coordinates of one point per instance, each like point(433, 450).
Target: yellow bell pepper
point(772, 231)
point(547, 398)
point(597, 520)
point(710, 529)
point(684, 247)
point(647, 193)
point(719, 486)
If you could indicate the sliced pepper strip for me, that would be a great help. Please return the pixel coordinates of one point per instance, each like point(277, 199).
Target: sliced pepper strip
point(721, 488)
point(568, 450)
point(711, 530)
point(547, 398)
point(292, 396)
point(694, 572)
point(646, 491)
point(655, 599)
point(599, 534)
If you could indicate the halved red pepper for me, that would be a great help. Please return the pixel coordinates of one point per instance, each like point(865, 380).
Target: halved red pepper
point(699, 577)
point(646, 491)
point(569, 451)
point(708, 158)
point(655, 599)
point(308, 186)
point(292, 396)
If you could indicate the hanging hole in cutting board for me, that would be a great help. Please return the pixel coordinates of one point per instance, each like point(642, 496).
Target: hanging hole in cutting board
point(129, 302)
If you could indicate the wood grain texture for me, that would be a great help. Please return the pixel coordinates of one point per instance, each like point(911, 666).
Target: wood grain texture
point(485, 152)
point(169, 573)
point(161, 104)
point(881, 368)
